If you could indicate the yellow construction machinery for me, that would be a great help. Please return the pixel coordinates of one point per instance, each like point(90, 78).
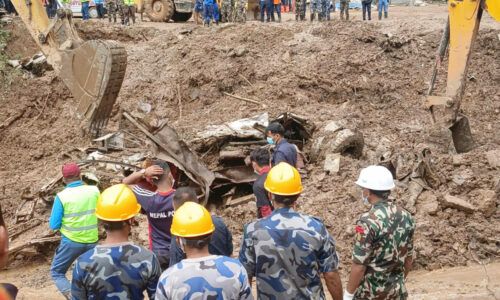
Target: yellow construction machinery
point(92, 70)
point(451, 126)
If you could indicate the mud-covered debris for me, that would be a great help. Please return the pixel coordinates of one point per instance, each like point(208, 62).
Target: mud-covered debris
point(332, 163)
point(486, 200)
point(429, 203)
point(493, 158)
point(460, 204)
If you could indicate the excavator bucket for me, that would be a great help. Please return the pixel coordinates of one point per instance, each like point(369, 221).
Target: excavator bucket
point(461, 134)
point(94, 74)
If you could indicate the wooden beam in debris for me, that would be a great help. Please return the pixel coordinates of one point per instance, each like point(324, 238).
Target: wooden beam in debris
point(241, 200)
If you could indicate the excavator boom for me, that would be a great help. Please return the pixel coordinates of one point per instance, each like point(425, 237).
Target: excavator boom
point(92, 70)
point(459, 36)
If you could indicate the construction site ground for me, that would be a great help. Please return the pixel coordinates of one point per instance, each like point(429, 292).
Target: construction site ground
point(371, 76)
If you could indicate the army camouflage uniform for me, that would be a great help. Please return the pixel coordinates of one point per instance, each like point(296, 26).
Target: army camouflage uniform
point(241, 11)
point(120, 271)
point(383, 241)
point(344, 7)
point(299, 10)
point(209, 277)
point(286, 252)
point(112, 6)
point(226, 8)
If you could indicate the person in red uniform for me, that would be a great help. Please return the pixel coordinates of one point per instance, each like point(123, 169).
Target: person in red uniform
point(260, 163)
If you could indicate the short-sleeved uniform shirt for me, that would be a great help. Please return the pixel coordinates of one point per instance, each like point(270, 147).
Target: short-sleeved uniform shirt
point(286, 252)
point(284, 151)
point(220, 244)
point(211, 277)
point(383, 240)
point(121, 271)
point(160, 212)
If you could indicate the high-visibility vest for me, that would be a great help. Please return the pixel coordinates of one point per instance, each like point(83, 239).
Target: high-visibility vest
point(128, 2)
point(79, 222)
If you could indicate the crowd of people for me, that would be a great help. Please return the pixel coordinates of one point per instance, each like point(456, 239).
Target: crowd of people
point(189, 255)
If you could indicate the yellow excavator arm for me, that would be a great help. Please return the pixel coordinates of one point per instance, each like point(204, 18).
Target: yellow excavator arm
point(92, 70)
point(459, 35)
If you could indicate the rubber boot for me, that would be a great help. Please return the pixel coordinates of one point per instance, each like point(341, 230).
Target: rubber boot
point(279, 19)
point(312, 17)
point(380, 16)
point(385, 15)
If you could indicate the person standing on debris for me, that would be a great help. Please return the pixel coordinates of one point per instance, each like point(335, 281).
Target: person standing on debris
point(221, 242)
point(264, 7)
point(73, 214)
point(277, 9)
point(117, 267)
point(367, 7)
point(383, 246)
point(198, 11)
point(241, 10)
point(299, 10)
point(157, 205)
point(129, 11)
point(315, 9)
point(260, 163)
point(225, 10)
point(85, 9)
point(382, 4)
point(283, 151)
point(7, 291)
point(287, 251)
point(99, 5)
point(201, 274)
point(111, 7)
point(209, 7)
point(344, 7)
point(325, 8)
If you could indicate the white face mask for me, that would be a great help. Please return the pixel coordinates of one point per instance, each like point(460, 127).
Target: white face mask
point(255, 171)
point(365, 200)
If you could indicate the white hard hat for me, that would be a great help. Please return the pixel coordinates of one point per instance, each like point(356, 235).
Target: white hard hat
point(376, 178)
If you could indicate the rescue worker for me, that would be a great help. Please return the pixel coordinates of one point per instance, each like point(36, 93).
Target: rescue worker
point(209, 7)
point(129, 11)
point(73, 214)
point(111, 7)
point(99, 5)
point(383, 246)
point(157, 205)
point(198, 11)
point(286, 251)
point(260, 164)
point(382, 4)
point(367, 7)
point(240, 8)
point(344, 8)
point(325, 9)
point(85, 9)
point(222, 240)
point(283, 150)
point(116, 269)
point(7, 291)
point(315, 9)
point(263, 5)
point(299, 10)
point(277, 9)
point(201, 275)
point(226, 10)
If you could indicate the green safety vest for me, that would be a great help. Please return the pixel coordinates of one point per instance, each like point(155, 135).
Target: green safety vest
point(79, 222)
point(129, 2)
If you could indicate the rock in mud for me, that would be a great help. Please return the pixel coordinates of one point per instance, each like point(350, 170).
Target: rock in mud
point(460, 204)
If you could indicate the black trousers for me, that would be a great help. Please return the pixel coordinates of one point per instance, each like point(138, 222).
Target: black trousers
point(367, 7)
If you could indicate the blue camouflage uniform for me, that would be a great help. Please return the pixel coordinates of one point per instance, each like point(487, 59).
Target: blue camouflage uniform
point(210, 277)
point(286, 252)
point(120, 271)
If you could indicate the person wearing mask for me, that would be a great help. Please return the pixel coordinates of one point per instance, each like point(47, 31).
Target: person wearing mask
point(73, 214)
point(117, 268)
point(221, 242)
point(201, 275)
point(260, 164)
point(383, 245)
point(157, 205)
point(283, 150)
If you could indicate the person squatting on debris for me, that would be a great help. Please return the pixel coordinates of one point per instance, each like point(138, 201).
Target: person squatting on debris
point(7, 290)
point(300, 10)
point(382, 4)
point(286, 251)
point(240, 7)
point(260, 164)
point(383, 245)
point(157, 205)
point(344, 8)
point(201, 275)
point(367, 7)
point(283, 150)
point(73, 214)
point(116, 269)
point(209, 13)
point(129, 11)
point(221, 242)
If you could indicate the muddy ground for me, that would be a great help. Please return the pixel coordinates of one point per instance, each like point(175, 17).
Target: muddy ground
point(370, 76)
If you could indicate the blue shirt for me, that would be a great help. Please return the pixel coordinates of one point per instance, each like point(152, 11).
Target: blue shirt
point(220, 244)
point(56, 216)
point(286, 152)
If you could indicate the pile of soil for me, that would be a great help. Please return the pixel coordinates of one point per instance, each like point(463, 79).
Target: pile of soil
point(350, 72)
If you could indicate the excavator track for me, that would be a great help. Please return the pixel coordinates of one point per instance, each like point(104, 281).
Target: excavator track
point(94, 73)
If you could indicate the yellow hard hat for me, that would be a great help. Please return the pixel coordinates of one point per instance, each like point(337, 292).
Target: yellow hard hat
point(117, 203)
point(192, 220)
point(283, 180)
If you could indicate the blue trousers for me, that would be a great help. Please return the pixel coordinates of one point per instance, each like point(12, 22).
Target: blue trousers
point(208, 12)
point(85, 11)
point(264, 5)
point(65, 255)
point(382, 4)
point(100, 10)
point(277, 9)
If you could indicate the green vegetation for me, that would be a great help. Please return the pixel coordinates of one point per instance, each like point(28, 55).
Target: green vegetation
point(7, 73)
